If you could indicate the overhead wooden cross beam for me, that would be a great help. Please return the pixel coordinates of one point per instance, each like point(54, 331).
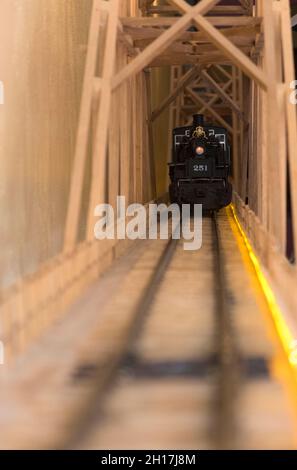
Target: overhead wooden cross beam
point(160, 44)
point(220, 9)
point(143, 36)
point(222, 43)
point(168, 21)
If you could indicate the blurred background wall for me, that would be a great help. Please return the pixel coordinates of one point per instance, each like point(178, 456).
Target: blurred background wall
point(41, 67)
point(161, 89)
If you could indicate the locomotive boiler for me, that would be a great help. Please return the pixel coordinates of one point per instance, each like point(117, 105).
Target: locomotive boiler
point(200, 165)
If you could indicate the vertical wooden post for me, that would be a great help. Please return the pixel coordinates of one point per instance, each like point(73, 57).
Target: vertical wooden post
point(113, 150)
point(74, 203)
point(290, 109)
point(125, 138)
point(178, 99)
point(247, 175)
point(274, 169)
point(98, 186)
point(235, 147)
point(262, 150)
point(171, 122)
point(150, 132)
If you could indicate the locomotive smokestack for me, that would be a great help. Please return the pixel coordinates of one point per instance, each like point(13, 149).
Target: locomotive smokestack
point(198, 120)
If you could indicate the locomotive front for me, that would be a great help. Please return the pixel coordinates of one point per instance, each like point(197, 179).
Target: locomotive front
point(200, 166)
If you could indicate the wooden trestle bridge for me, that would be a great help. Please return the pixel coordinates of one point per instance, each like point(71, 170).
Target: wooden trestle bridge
point(140, 344)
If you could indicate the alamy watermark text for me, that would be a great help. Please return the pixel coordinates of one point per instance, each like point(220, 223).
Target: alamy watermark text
point(141, 222)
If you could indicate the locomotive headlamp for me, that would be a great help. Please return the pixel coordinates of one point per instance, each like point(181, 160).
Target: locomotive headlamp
point(200, 150)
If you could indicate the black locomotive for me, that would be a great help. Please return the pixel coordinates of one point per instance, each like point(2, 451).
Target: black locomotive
point(200, 165)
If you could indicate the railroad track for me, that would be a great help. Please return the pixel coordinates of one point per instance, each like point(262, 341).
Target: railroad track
point(124, 354)
point(127, 360)
point(228, 375)
point(168, 350)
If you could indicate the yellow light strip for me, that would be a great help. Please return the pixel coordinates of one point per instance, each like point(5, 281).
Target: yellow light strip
point(288, 341)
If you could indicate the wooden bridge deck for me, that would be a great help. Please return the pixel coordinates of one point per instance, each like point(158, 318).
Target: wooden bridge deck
point(159, 347)
point(172, 376)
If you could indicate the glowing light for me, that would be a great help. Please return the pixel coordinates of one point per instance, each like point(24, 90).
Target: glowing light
point(200, 150)
point(289, 343)
point(293, 354)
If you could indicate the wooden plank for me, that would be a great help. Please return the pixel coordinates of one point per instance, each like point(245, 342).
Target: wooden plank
point(146, 34)
point(167, 22)
point(217, 10)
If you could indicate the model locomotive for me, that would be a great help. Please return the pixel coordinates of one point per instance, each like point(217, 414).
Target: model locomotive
point(200, 165)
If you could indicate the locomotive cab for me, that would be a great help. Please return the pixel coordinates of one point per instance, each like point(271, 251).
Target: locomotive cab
point(200, 165)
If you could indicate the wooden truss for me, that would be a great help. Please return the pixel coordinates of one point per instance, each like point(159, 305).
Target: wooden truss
point(233, 63)
point(149, 41)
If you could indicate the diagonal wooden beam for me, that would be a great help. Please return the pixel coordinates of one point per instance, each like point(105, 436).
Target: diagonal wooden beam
point(127, 40)
point(223, 71)
point(247, 5)
point(243, 62)
point(215, 98)
point(226, 46)
point(186, 80)
point(162, 42)
point(225, 97)
point(200, 101)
